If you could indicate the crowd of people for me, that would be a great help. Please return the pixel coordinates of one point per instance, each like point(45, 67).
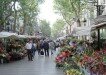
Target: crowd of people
point(47, 47)
point(29, 47)
point(43, 47)
point(17, 49)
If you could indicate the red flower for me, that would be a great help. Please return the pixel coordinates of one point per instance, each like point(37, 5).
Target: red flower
point(57, 59)
point(86, 58)
point(64, 54)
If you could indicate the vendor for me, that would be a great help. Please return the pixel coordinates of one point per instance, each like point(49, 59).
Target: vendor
point(9, 47)
point(1, 47)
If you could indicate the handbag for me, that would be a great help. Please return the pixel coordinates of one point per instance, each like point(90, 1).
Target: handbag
point(42, 52)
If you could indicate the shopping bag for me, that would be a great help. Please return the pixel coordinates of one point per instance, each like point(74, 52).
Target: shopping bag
point(42, 53)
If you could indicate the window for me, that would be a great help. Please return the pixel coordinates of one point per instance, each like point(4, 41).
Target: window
point(103, 33)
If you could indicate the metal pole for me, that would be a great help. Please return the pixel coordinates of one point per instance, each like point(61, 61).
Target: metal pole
point(98, 39)
point(98, 30)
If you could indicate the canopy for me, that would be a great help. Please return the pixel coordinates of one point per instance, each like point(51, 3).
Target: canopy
point(8, 34)
point(99, 25)
point(38, 36)
point(26, 36)
point(61, 38)
point(14, 35)
point(31, 37)
point(81, 31)
point(23, 36)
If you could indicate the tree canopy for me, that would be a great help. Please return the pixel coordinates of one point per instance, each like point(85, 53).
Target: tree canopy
point(70, 9)
point(57, 27)
point(27, 11)
point(45, 28)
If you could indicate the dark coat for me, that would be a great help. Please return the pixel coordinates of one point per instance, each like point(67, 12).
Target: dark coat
point(46, 45)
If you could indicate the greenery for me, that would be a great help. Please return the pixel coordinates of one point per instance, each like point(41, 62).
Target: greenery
point(25, 10)
point(4, 8)
point(45, 28)
point(70, 10)
point(57, 27)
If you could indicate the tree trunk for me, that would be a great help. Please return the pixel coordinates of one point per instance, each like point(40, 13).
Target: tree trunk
point(24, 24)
point(70, 29)
point(78, 22)
point(15, 18)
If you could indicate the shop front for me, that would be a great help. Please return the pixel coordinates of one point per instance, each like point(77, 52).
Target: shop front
point(99, 35)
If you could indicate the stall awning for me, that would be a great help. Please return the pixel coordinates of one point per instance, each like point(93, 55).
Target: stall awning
point(82, 31)
point(23, 36)
point(99, 25)
point(100, 19)
point(8, 34)
point(14, 35)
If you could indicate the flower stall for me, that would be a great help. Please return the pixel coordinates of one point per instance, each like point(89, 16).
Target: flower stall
point(11, 48)
point(75, 61)
point(65, 62)
point(95, 63)
point(4, 56)
point(16, 50)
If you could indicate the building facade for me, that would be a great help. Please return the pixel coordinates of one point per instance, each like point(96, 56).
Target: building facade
point(91, 18)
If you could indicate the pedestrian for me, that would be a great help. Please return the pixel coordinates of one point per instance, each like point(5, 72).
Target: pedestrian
point(33, 49)
point(38, 47)
point(46, 48)
point(29, 50)
point(41, 45)
point(57, 44)
point(54, 46)
point(51, 46)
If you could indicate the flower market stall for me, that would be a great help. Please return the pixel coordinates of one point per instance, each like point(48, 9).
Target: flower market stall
point(64, 61)
point(4, 56)
point(11, 48)
point(78, 58)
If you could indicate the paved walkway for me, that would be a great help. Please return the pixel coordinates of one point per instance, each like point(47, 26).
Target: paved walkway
point(40, 66)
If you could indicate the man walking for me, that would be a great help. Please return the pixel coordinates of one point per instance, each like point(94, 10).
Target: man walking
point(29, 50)
point(46, 48)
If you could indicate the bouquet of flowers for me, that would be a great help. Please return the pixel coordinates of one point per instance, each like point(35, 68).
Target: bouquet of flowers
point(73, 72)
point(62, 56)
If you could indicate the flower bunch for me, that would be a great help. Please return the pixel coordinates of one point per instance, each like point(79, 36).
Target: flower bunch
point(95, 61)
point(73, 72)
point(62, 56)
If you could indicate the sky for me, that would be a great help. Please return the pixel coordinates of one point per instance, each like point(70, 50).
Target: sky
point(47, 12)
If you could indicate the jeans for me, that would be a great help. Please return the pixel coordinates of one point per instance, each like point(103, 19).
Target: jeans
point(30, 56)
point(46, 52)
